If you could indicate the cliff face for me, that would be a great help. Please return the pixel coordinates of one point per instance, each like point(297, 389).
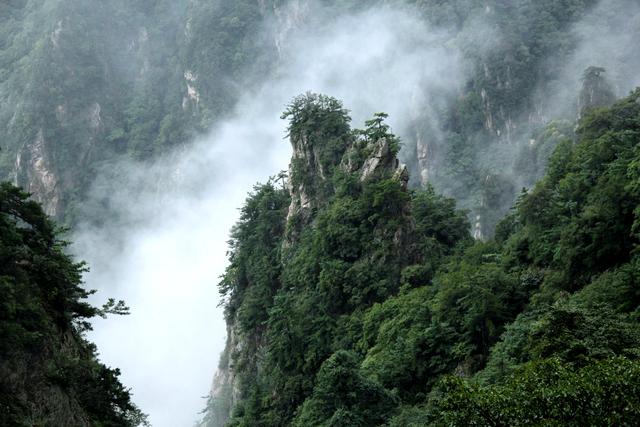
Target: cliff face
point(76, 73)
point(310, 185)
point(307, 179)
point(34, 173)
point(33, 384)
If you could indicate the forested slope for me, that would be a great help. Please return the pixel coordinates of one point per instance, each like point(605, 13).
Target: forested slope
point(353, 300)
point(83, 86)
point(49, 374)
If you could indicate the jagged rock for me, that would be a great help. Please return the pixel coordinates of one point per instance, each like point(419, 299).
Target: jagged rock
point(477, 229)
point(35, 174)
point(55, 35)
point(382, 159)
point(225, 390)
point(306, 175)
point(379, 159)
point(288, 18)
point(95, 120)
point(402, 174)
point(192, 93)
point(486, 102)
point(422, 154)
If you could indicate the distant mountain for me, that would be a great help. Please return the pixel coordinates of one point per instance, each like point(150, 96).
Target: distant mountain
point(83, 86)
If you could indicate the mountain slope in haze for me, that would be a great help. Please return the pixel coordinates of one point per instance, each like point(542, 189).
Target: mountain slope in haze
point(75, 79)
point(82, 87)
point(352, 300)
point(49, 374)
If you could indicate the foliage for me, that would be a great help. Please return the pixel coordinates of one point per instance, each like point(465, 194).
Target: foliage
point(376, 270)
point(344, 397)
point(42, 316)
point(406, 348)
point(477, 300)
point(578, 220)
point(383, 312)
point(546, 392)
point(367, 239)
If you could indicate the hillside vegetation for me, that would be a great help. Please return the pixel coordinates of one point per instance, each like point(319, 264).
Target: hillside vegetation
point(49, 373)
point(354, 301)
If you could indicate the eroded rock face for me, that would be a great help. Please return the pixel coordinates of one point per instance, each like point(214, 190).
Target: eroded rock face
point(225, 390)
point(422, 155)
point(306, 176)
point(382, 159)
point(192, 95)
point(95, 118)
point(35, 174)
point(477, 228)
point(289, 18)
point(25, 376)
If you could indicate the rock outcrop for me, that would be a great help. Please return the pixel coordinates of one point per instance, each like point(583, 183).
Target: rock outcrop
point(315, 162)
point(307, 177)
point(310, 182)
point(34, 173)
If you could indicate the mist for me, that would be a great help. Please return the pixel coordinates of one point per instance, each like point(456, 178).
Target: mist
point(606, 37)
point(162, 244)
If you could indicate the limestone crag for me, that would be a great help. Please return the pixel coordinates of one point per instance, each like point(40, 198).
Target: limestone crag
point(382, 159)
point(35, 174)
point(309, 183)
point(307, 175)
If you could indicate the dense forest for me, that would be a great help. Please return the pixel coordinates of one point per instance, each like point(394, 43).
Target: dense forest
point(355, 301)
point(475, 265)
point(49, 373)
